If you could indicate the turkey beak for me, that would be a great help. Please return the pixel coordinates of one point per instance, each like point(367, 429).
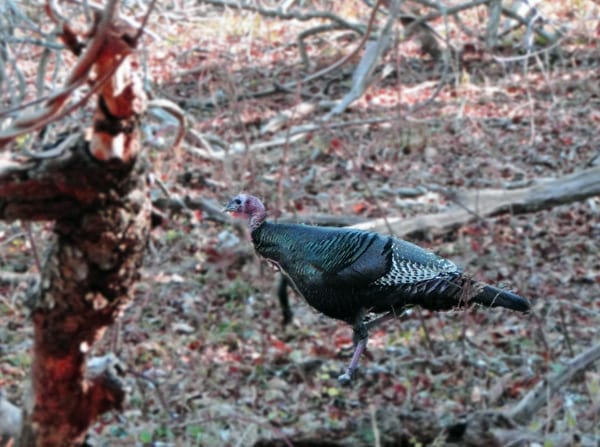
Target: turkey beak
point(230, 208)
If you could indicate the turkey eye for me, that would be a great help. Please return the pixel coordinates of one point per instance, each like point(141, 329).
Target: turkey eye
point(237, 201)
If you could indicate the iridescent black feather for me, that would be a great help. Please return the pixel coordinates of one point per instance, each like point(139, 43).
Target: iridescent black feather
point(346, 273)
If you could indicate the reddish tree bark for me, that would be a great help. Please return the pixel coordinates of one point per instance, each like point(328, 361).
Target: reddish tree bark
point(86, 280)
point(97, 193)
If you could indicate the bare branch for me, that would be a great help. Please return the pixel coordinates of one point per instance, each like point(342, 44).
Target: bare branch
point(177, 112)
point(311, 32)
point(79, 74)
point(287, 15)
point(346, 58)
point(362, 74)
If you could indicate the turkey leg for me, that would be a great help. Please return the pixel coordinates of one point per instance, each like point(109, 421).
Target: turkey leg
point(345, 378)
point(361, 336)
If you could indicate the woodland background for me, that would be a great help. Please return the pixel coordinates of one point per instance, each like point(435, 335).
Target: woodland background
point(447, 119)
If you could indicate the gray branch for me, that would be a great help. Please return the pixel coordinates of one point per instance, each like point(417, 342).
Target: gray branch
point(535, 399)
point(473, 204)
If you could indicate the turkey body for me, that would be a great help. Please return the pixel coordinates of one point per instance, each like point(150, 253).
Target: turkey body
point(345, 273)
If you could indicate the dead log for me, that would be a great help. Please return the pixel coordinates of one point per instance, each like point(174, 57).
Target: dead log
point(470, 205)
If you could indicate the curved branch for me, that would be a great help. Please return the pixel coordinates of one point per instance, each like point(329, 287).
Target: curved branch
point(174, 110)
point(78, 76)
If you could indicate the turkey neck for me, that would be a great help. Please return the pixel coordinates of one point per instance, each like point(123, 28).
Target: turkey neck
point(277, 243)
point(272, 240)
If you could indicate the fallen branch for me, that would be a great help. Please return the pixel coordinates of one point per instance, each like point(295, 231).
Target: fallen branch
point(175, 111)
point(213, 211)
point(454, 10)
point(278, 13)
point(362, 74)
point(536, 398)
point(346, 58)
point(296, 112)
point(471, 205)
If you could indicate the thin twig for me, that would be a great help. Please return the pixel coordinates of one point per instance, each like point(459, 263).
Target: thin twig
point(54, 109)
point(374, 427)
point(142, 27)
point(425, 330)
point(311, 32)
point(529, 54)
point(78, 77)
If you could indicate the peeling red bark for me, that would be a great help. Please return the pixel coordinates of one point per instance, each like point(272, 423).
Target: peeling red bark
point(86, 281)
point(96, 191)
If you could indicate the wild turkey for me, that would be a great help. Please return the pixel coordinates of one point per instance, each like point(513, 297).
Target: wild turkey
point(347, 273)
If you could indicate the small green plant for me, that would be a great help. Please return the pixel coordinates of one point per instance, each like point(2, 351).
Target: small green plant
point(238, 290)
point(194, 432)
point(145, 437)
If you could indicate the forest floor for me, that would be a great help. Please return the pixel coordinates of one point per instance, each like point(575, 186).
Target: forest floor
point(205, 353)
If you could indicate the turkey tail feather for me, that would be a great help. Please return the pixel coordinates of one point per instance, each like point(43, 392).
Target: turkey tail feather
point(493, 297)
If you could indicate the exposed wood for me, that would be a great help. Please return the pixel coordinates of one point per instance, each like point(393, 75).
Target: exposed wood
point(471, 205)
point(55, 188)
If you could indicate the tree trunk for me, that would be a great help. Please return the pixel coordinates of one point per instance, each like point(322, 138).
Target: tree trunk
point(87, 275)
point(97, 193)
